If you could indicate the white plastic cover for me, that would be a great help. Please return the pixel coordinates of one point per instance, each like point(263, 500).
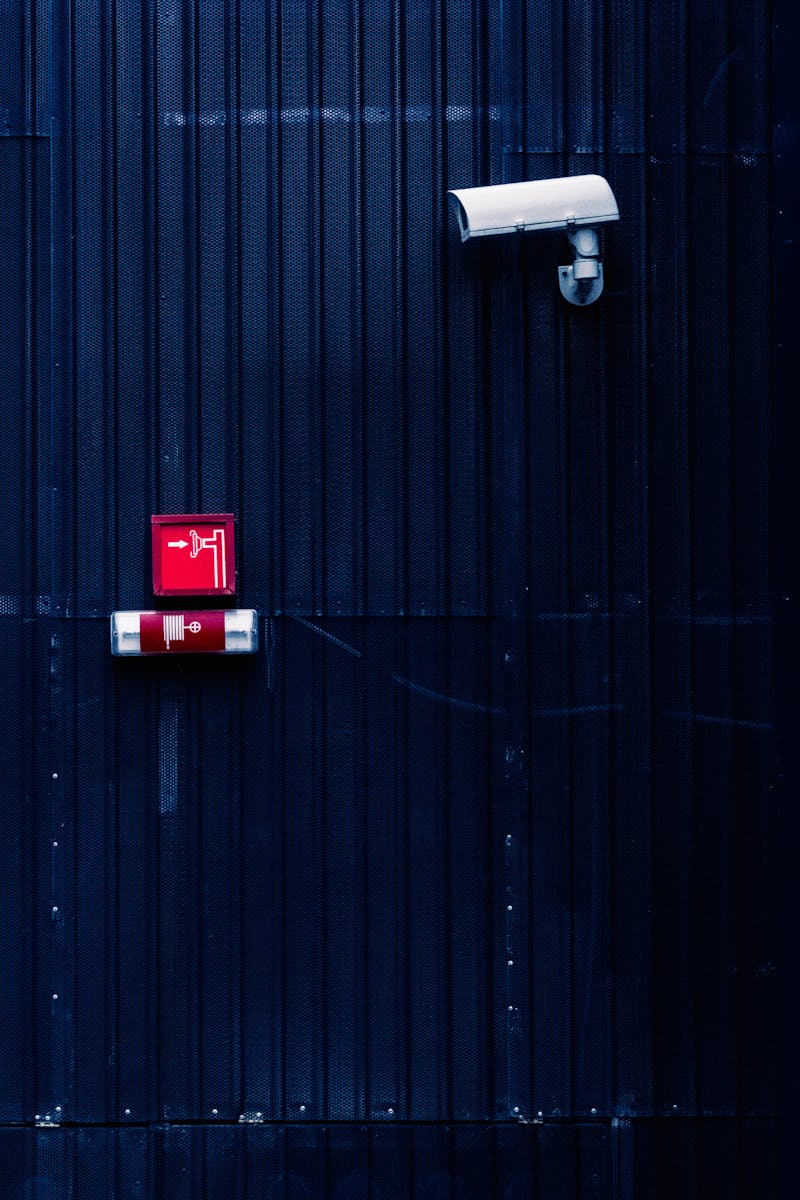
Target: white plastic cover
point(237, 632)
point(535, 204)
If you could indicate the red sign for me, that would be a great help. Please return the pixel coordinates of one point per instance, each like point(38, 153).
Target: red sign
point(193, 555)
point(228, 631)
point(181, 632)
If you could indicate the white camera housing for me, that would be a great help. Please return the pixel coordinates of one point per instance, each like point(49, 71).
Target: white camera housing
point(577, 204)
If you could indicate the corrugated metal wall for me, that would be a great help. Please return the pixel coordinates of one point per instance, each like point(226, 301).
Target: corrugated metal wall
point(466, 885)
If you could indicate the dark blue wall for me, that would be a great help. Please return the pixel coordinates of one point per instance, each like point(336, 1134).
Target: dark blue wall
point(471, 882)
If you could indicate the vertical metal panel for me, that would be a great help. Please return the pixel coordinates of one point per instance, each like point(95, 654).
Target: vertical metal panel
point(486, 832)
point(29, 733)
point(786, 624)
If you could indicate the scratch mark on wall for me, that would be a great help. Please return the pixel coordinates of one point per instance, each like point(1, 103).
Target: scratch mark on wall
point(323, 633)
point(443, 698)
point(717, 77)
point(710, 719)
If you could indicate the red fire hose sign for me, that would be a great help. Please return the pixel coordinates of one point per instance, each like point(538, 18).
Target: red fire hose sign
point(193, 555)
point(182, 632)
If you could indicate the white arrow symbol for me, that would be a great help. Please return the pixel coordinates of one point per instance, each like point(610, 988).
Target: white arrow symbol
point(178, 545)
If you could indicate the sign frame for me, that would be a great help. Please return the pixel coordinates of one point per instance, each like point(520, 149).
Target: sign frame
point(209, 534)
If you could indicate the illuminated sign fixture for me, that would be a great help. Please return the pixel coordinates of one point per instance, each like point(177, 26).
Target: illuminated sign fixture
point(193, 554)
point(229, 631)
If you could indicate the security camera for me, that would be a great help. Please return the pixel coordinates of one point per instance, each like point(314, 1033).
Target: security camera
point(576, 204)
